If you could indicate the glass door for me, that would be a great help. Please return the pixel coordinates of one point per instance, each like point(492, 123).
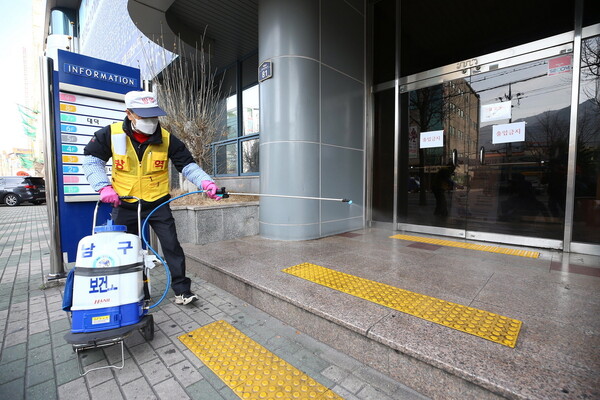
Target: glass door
point(486, 153)
point(518, 174)
point(441, 132)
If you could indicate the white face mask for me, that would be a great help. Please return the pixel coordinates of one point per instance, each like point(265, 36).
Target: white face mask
point(147, 126)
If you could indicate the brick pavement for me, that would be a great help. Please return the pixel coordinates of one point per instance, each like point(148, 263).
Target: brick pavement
point(37, 363)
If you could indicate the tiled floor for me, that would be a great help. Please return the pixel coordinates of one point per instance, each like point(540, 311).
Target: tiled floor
point(37, 363)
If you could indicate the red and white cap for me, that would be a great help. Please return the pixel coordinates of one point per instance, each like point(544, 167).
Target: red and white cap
point(143, 104)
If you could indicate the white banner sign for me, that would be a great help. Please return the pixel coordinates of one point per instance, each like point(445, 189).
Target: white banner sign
point(508, 133)
point(431, 139)
point(496, 111)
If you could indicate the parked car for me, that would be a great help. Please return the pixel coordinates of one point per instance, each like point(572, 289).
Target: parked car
point(15, 190)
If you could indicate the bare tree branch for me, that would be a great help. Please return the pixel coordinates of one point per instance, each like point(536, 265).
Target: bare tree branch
point(189, 92)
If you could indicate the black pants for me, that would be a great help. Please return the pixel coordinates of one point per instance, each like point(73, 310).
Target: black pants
point(163, 224)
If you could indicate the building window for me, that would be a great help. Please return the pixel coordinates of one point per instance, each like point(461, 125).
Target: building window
point(251, 110)
point(235, 152)
point(226, 159)
point(232, 117)
point(250, 156)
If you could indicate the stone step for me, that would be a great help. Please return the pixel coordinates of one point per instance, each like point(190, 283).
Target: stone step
point(339, 323)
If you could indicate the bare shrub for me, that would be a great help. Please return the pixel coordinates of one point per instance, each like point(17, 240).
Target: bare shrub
point(187, 89)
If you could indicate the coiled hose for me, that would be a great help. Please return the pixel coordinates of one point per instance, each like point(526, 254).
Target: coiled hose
point(167, 272)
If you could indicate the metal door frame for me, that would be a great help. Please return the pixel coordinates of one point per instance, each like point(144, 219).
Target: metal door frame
point(566, 43)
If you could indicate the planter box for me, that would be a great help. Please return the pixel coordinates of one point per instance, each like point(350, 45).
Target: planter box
point(201, 225)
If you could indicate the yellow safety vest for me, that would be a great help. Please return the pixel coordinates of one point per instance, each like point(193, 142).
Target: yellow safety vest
point(147, 179)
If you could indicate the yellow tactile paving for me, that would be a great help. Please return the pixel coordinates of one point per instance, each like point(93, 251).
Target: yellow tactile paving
point(470, 246)
point(487, 325)
point(250, 370)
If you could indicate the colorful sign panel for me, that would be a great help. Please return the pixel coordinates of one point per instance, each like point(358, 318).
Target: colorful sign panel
point(80, 117)
point(560, 65)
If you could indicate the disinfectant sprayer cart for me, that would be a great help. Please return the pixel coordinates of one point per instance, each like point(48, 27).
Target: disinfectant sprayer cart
point(109, 290)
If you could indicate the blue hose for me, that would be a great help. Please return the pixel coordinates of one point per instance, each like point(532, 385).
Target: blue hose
point(167, 272)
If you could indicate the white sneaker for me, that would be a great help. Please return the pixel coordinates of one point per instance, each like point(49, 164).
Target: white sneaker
point(186, 298)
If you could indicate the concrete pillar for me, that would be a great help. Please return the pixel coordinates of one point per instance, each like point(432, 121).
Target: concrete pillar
point(312, 116)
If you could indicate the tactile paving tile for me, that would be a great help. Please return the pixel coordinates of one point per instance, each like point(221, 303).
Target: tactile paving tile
point(470, 246)
point(487, 325)
point(250, 370)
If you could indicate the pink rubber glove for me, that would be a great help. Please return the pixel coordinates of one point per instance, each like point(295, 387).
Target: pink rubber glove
point(108, 195)
point(210, 189)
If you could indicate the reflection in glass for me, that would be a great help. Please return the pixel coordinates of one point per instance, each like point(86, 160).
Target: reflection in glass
point(251, 110)
point(250, 156)
point(437, 186)
point(520, 187)
point(510, 129)
point(232, 114)
point(226, 159)
point(383, 164)
point(586, 216)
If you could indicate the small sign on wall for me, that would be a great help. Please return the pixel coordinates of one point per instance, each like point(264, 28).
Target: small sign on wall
point(508, 133)
point(265, 70)
point(560, 65)
point(431, 139)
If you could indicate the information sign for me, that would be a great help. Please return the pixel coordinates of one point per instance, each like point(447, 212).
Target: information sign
point(88, 94)
point(80, 117)
point(265, 70)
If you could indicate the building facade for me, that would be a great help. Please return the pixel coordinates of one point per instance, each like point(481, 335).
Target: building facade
point(477, 122)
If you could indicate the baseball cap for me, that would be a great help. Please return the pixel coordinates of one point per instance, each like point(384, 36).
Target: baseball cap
point(144, 104)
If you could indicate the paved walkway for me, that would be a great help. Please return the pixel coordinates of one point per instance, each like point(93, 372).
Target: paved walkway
point(37, 363)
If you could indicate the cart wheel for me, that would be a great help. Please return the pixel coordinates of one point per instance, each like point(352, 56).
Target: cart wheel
point(148, 330)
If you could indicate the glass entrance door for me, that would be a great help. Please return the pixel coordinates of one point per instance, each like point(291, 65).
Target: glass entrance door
point(441, 135)
point(486, 155)
point(518, 179)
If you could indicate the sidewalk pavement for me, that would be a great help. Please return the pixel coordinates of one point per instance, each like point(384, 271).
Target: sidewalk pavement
point(37, 363)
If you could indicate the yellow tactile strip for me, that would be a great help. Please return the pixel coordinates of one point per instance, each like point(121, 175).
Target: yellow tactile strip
point(487, 325)
point(250, 370)
point(470, 246)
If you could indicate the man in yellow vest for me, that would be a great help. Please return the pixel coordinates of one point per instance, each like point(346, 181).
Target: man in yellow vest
point(141, 151)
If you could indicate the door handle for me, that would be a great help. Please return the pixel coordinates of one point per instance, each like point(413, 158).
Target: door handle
point(482, 155)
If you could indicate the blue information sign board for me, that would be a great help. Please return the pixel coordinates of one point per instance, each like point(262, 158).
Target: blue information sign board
point(89, 97)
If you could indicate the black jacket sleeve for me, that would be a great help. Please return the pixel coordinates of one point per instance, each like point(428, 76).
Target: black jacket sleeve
point(179, 153)
point(100, 146)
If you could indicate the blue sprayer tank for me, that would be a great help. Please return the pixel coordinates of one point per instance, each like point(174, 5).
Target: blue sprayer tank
point(108, 287)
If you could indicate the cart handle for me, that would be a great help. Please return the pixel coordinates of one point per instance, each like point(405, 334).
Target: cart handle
point(123, 198)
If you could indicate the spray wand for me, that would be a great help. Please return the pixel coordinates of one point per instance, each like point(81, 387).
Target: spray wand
point(223, 194)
